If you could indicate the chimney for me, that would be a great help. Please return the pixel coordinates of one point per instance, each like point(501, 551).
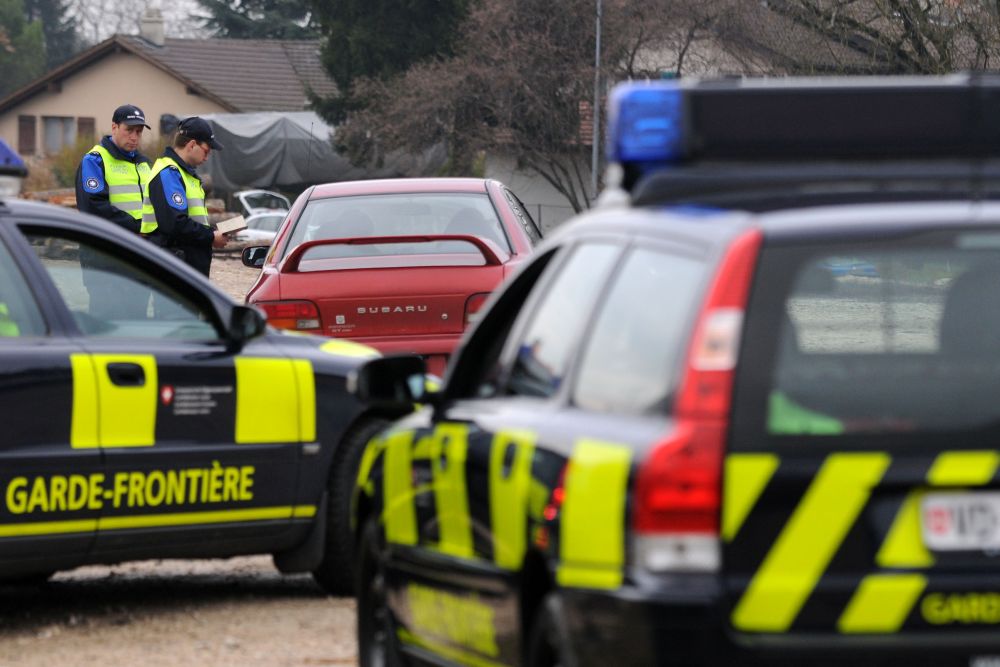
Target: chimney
point(151, 26)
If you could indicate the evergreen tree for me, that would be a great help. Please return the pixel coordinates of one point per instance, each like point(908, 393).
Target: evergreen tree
point(61, 40)
point(260, 19)
point(381, 39)
point(22, 47)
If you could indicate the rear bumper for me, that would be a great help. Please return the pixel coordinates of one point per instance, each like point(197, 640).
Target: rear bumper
point(631, 626)
point(434, 349)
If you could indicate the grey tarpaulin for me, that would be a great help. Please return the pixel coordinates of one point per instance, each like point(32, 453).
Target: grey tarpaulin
point(290, 150)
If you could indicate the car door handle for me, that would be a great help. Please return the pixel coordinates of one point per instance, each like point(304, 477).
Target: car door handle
point(126, 374)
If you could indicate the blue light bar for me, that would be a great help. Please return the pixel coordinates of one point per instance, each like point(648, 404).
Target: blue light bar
point(645, 123)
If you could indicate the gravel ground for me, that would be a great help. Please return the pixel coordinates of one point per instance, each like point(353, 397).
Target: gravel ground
point(229, 273)
point(223, 613)
point(232, 612)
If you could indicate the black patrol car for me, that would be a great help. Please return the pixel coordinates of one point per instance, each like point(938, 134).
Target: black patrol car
point(181, 428)
point(746, 412)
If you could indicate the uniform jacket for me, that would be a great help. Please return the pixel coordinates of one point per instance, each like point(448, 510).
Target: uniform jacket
point(175, 229)
point(95, 200)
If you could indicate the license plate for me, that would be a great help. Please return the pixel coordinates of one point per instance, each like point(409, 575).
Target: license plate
point(965, 521)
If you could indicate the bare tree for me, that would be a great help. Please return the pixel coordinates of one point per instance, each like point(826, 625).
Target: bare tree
point(96, 20)
point(519, 85)
point(862, 36)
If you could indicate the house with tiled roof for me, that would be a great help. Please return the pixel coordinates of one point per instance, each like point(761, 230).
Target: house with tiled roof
point(165, 77)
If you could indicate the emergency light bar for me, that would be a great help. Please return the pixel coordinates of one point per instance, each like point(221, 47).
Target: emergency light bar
point(678, 122)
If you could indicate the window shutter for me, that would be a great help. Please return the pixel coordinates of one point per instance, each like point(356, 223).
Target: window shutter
point(85, 128)
point(26, 135)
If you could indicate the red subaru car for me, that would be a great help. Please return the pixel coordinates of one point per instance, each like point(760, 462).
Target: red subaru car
point(402, 265)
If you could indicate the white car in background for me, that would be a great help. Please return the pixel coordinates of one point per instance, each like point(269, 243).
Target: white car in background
point(261, 228)
point(261, 201)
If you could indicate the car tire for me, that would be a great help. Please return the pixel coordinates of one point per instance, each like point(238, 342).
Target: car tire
point(376, 631)
point(336, 573)
point(547, 642)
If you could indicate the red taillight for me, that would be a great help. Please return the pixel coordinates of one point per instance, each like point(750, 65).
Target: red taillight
point(677, 489)
point(707, 386)
point(294, 315)
point(472, 307)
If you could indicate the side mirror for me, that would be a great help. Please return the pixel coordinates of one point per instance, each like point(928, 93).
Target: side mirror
point(245, 322)
point(396, 382)
point(253, 256)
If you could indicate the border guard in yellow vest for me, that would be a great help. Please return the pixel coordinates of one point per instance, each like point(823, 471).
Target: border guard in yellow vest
point(174, 215)
point(109, 184)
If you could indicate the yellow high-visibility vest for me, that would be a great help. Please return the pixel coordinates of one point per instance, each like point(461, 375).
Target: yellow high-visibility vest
point(193, 190)
point(126, 181)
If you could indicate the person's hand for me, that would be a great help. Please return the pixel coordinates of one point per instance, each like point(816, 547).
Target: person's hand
point(220, 240)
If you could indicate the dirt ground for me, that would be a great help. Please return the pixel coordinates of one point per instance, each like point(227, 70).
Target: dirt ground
point(229, 273)
point(222, 613)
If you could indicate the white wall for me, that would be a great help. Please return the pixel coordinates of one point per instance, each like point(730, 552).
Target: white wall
point(546, 205)
point(95, 92)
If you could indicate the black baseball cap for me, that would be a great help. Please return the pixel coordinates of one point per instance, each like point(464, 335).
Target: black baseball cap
point(129, 114)
point(198, 129)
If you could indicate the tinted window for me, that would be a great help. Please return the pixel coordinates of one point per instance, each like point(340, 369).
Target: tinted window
point(111, 297)
point(558, 318)
point(880, 338)
point(19, 315)
point(397, 215)
point(628, 365)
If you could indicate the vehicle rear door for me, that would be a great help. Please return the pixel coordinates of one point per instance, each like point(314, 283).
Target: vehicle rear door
point(526, 420)
point(48, 516)
point(860, 494)
point(199, 440)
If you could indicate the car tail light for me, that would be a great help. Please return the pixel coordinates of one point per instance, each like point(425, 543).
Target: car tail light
point(678, 490)
point(294, 315)
point(472, 307)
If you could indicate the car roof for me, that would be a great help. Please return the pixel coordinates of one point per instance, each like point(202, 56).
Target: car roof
point(17, 206)
point(399, 186)
point(708, 228)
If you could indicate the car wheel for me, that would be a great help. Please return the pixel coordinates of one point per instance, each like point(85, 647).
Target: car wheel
point(336, 571)
point(376, 633)
point(547, 641)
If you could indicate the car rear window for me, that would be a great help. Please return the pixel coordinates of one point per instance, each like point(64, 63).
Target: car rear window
point(398, 215)
point(878, 337)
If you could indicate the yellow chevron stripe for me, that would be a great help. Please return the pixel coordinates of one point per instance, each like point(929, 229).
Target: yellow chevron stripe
point(746, 476)
point(881, 603)
point(968, 468)
point(591, 528)
point(399, 513)
point(903, 546)
point(808, 542)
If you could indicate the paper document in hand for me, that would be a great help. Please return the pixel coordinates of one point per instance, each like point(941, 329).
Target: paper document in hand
point(231, 225)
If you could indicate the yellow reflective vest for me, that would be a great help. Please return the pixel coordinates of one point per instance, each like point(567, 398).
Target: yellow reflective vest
point(126, 181)
point(193, 190)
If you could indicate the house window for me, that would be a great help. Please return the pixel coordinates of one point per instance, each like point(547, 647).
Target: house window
point(58, 133)
point(26, 135)
point(85, 127)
